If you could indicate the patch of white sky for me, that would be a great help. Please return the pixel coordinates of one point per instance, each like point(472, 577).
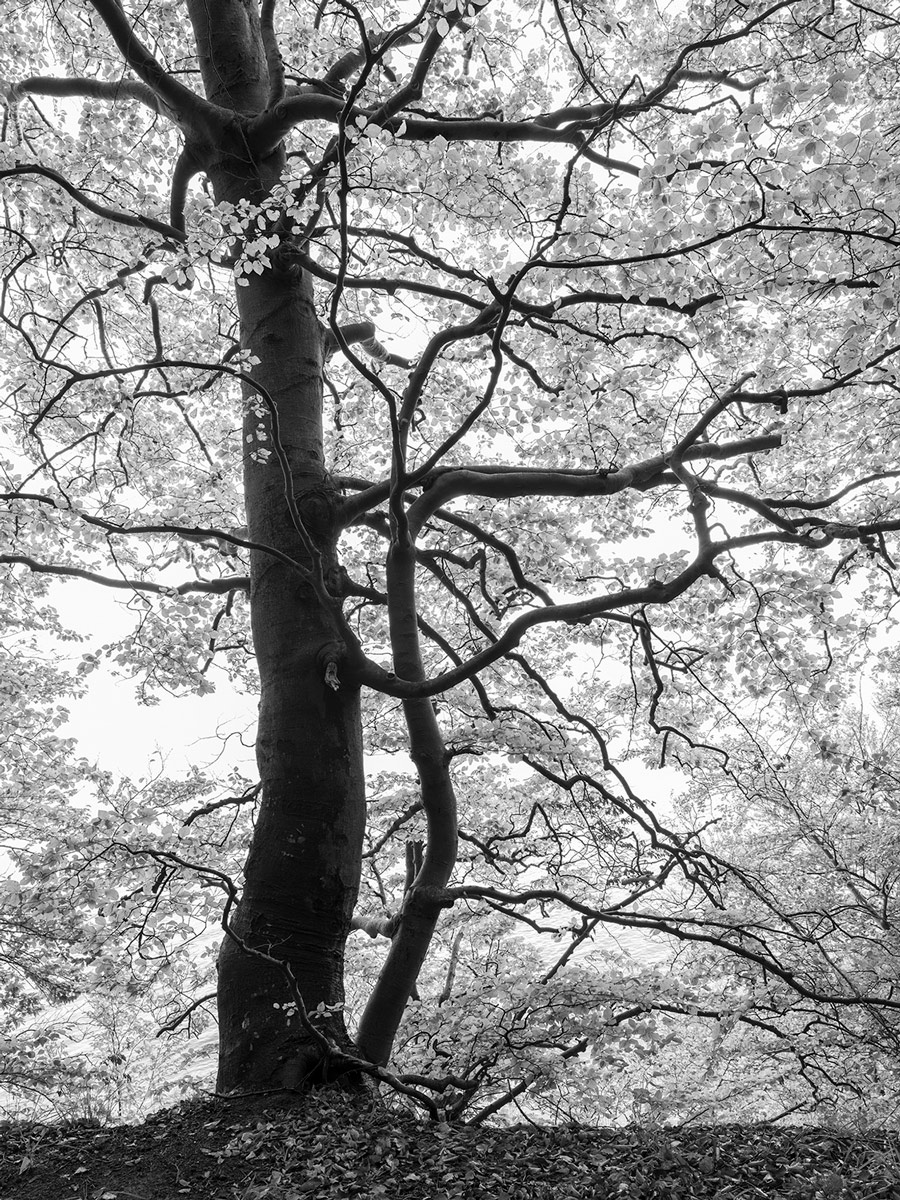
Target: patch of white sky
point(118, 733)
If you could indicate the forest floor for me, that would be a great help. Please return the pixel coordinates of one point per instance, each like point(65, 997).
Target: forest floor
point(332, 1146)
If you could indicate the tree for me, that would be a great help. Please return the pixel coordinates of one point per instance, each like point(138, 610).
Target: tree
point(504, 288)
point(37, 767)
point(813, 835)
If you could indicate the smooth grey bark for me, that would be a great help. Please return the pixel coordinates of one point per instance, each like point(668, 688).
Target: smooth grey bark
point(302, 872)
point(284, 956)
point(303, 867)
point(426, 896)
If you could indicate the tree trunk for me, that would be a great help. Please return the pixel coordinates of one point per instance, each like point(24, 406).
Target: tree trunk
point(303, 868)
point(425, 899)
point(302, 872)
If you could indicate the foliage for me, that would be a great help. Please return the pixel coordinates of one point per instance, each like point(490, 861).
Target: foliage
point(531, 373)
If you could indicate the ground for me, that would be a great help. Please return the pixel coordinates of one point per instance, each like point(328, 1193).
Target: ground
point(332, 1146)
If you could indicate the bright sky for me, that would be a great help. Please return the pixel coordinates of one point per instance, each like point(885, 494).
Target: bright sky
point(122, 736)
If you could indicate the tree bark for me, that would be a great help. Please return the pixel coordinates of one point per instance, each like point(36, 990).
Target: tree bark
point(302, 872)
point(303, 867)
point(426, 897)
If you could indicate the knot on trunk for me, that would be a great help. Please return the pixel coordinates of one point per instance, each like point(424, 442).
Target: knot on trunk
point(318, 507)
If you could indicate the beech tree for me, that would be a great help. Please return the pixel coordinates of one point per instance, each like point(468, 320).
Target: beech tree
point(505, 387)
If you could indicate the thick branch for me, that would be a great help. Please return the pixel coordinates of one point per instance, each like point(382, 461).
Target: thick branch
point(476, 480)
point(341, 70)
point(505, 483)
point(361, 333)
point(92, 89)
point(574, 613)
point(725, 78)
point(423, 902)
point(187, 105)
point(186, 167)
point(266, 131)
point(375, 926)
point(689, 308)
point(571, 125)
point(274, 61)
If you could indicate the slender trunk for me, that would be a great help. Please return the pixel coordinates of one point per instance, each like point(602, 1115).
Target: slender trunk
point(425, 899)
point(303, 867)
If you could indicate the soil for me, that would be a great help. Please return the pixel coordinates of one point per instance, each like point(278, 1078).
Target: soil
point(330, 1145)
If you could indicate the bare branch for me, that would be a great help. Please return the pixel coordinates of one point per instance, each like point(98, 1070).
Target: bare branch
point(229, 801)
point(523, 1085)
point(684, 928)
point(477, 480)
point(408, 813)
point(725, 78)
point(229, 583)
point(171, 1025)
point(100, 210)
point(389, 285)
point(191, 533)
point(689, 308)
point(827, 502)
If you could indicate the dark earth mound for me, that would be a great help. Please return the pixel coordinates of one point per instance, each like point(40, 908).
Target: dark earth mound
point(332, 1146)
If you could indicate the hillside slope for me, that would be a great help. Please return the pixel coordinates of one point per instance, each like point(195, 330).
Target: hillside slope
point(332, 1146)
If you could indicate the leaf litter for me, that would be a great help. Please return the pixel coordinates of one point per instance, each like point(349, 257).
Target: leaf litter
point(333, 1145)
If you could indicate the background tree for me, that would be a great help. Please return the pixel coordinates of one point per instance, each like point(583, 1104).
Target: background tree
point(565, 346)
point(41, 958)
